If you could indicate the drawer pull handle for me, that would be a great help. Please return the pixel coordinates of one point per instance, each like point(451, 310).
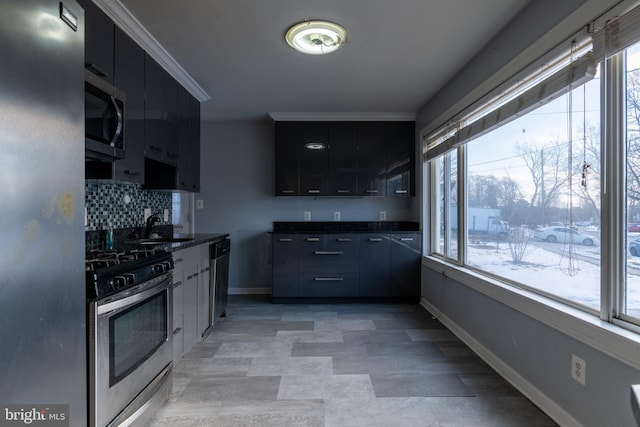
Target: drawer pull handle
point(328, 252)
point(343, 240)
point(313, 239)
point(372, 191)
point(313, 191)
point(406, 239)
point(401, 191)
point(343, 191)
point(283, 239)
point(178, 283)
point(375, 239)
point(177, 331)
point(287, 191)
point(177, 260)
point(328, 279)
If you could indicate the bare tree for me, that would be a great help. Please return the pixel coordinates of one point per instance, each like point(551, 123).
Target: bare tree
point(548, 169)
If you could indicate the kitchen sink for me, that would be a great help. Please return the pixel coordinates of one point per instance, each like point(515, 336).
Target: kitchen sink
point(160, 240)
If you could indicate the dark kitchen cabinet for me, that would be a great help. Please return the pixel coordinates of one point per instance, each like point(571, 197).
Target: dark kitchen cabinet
point(405, 256)
point(343, 158)
point(99, 40)
point(350, 159)
point(400, 138)
point(161, 114)
point(285, 265)
point(375, 263)
point(301, 158)
point(372, 159)
point(371, 265)
point(129, 77)
point(188, 142)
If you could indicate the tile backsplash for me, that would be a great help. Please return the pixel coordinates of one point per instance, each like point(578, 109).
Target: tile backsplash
point(121, 203)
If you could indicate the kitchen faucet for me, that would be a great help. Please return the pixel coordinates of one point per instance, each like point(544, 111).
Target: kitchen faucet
point(149, 224)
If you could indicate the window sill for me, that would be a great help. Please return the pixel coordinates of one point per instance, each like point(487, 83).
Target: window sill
point(615, 341)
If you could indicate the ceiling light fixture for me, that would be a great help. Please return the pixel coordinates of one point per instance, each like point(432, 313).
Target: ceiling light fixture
point(316, 37)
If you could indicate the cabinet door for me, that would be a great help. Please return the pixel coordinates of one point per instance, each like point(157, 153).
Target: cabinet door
point(372, 169)
point(400, 158)
point(129, 77)
point(98, 41)
point(204, 271)
point(314, 162)
point(154, 129)
point(343, 158)
point(178, 315)
point(170, 122)
point(188, 141)
point(285, 265)
point(375, 259)
point(287, 182)
point(191, 274)
point(405, 264)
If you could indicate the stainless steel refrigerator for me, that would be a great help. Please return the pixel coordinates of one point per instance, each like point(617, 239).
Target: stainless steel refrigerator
point(42, 280)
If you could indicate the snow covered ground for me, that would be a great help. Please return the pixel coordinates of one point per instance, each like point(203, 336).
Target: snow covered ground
point(550, 268)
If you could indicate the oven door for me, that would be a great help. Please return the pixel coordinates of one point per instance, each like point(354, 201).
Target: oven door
point(131, 345)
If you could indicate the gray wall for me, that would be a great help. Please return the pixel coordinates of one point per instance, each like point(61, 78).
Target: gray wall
point(238, 185)
point(540, 355)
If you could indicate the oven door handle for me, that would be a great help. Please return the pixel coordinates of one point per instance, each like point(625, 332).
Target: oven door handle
point(147, 290)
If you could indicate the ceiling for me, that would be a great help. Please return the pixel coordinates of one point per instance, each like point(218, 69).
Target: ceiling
point(398, 53)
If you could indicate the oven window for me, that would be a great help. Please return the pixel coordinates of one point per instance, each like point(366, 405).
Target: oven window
point(135, 334)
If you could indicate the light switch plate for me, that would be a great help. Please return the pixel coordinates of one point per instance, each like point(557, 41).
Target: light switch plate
point(336, 216)
point(383, 215)
point(166, 215)
point(199, 204)
point(307, 215)
point(147, 213)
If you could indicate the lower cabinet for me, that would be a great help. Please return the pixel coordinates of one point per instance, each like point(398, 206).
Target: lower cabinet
point(346, 265)
point(191, 300)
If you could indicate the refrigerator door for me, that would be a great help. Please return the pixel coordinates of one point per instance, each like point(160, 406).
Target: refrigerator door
point(42, 282)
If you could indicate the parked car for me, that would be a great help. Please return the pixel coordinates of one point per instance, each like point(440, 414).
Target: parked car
point(633, 227)
point(634, 247)
point(566, 234)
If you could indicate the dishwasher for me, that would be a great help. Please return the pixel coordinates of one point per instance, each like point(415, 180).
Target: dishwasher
point(219, 282)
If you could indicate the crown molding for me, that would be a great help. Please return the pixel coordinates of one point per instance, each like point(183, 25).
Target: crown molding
point(134, 29)
point(342, 117)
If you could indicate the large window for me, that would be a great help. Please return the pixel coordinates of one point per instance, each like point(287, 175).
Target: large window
point(541, 190)
point(530, 219)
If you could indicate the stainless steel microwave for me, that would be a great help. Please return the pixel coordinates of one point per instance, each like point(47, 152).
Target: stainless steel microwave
point(104, 109)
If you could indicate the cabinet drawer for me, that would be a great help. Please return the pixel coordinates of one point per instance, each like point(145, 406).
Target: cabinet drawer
point(328, 285)
point(331, 252)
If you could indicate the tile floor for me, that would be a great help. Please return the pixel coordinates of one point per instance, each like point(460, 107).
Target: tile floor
point(338, 365)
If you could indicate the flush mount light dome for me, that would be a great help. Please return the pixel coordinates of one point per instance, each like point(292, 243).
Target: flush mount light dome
point(316, 37)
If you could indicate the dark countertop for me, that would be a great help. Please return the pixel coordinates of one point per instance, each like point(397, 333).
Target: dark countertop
point(293, 227)
point(189, 241)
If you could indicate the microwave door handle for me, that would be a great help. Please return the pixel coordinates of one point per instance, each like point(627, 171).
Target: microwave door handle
point(118, 131)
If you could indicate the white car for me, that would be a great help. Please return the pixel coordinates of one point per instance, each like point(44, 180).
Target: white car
point(565, 235)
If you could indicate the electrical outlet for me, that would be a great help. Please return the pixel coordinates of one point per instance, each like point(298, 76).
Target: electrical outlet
point(147, 214)
point(307, 215)
point(199, 204)
point(336, 216)
point(383, 215)
point(166, 215)
point(578, 369)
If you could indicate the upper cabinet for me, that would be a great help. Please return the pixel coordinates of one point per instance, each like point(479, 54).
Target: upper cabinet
point(351, 159)
point(401, 165)
point(188, 142)
point(129, 77)
point(160, 128)
point(98, 44)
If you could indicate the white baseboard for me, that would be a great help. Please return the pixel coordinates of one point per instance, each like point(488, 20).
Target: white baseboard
point(550, 407)
point(249, 291)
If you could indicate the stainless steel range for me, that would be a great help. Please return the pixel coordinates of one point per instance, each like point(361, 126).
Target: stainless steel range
point(129, 335)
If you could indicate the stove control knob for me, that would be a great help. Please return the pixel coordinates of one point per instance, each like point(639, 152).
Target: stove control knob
point(158, 268)
point(130, 278)
point(119, 282)
point(166, 265)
